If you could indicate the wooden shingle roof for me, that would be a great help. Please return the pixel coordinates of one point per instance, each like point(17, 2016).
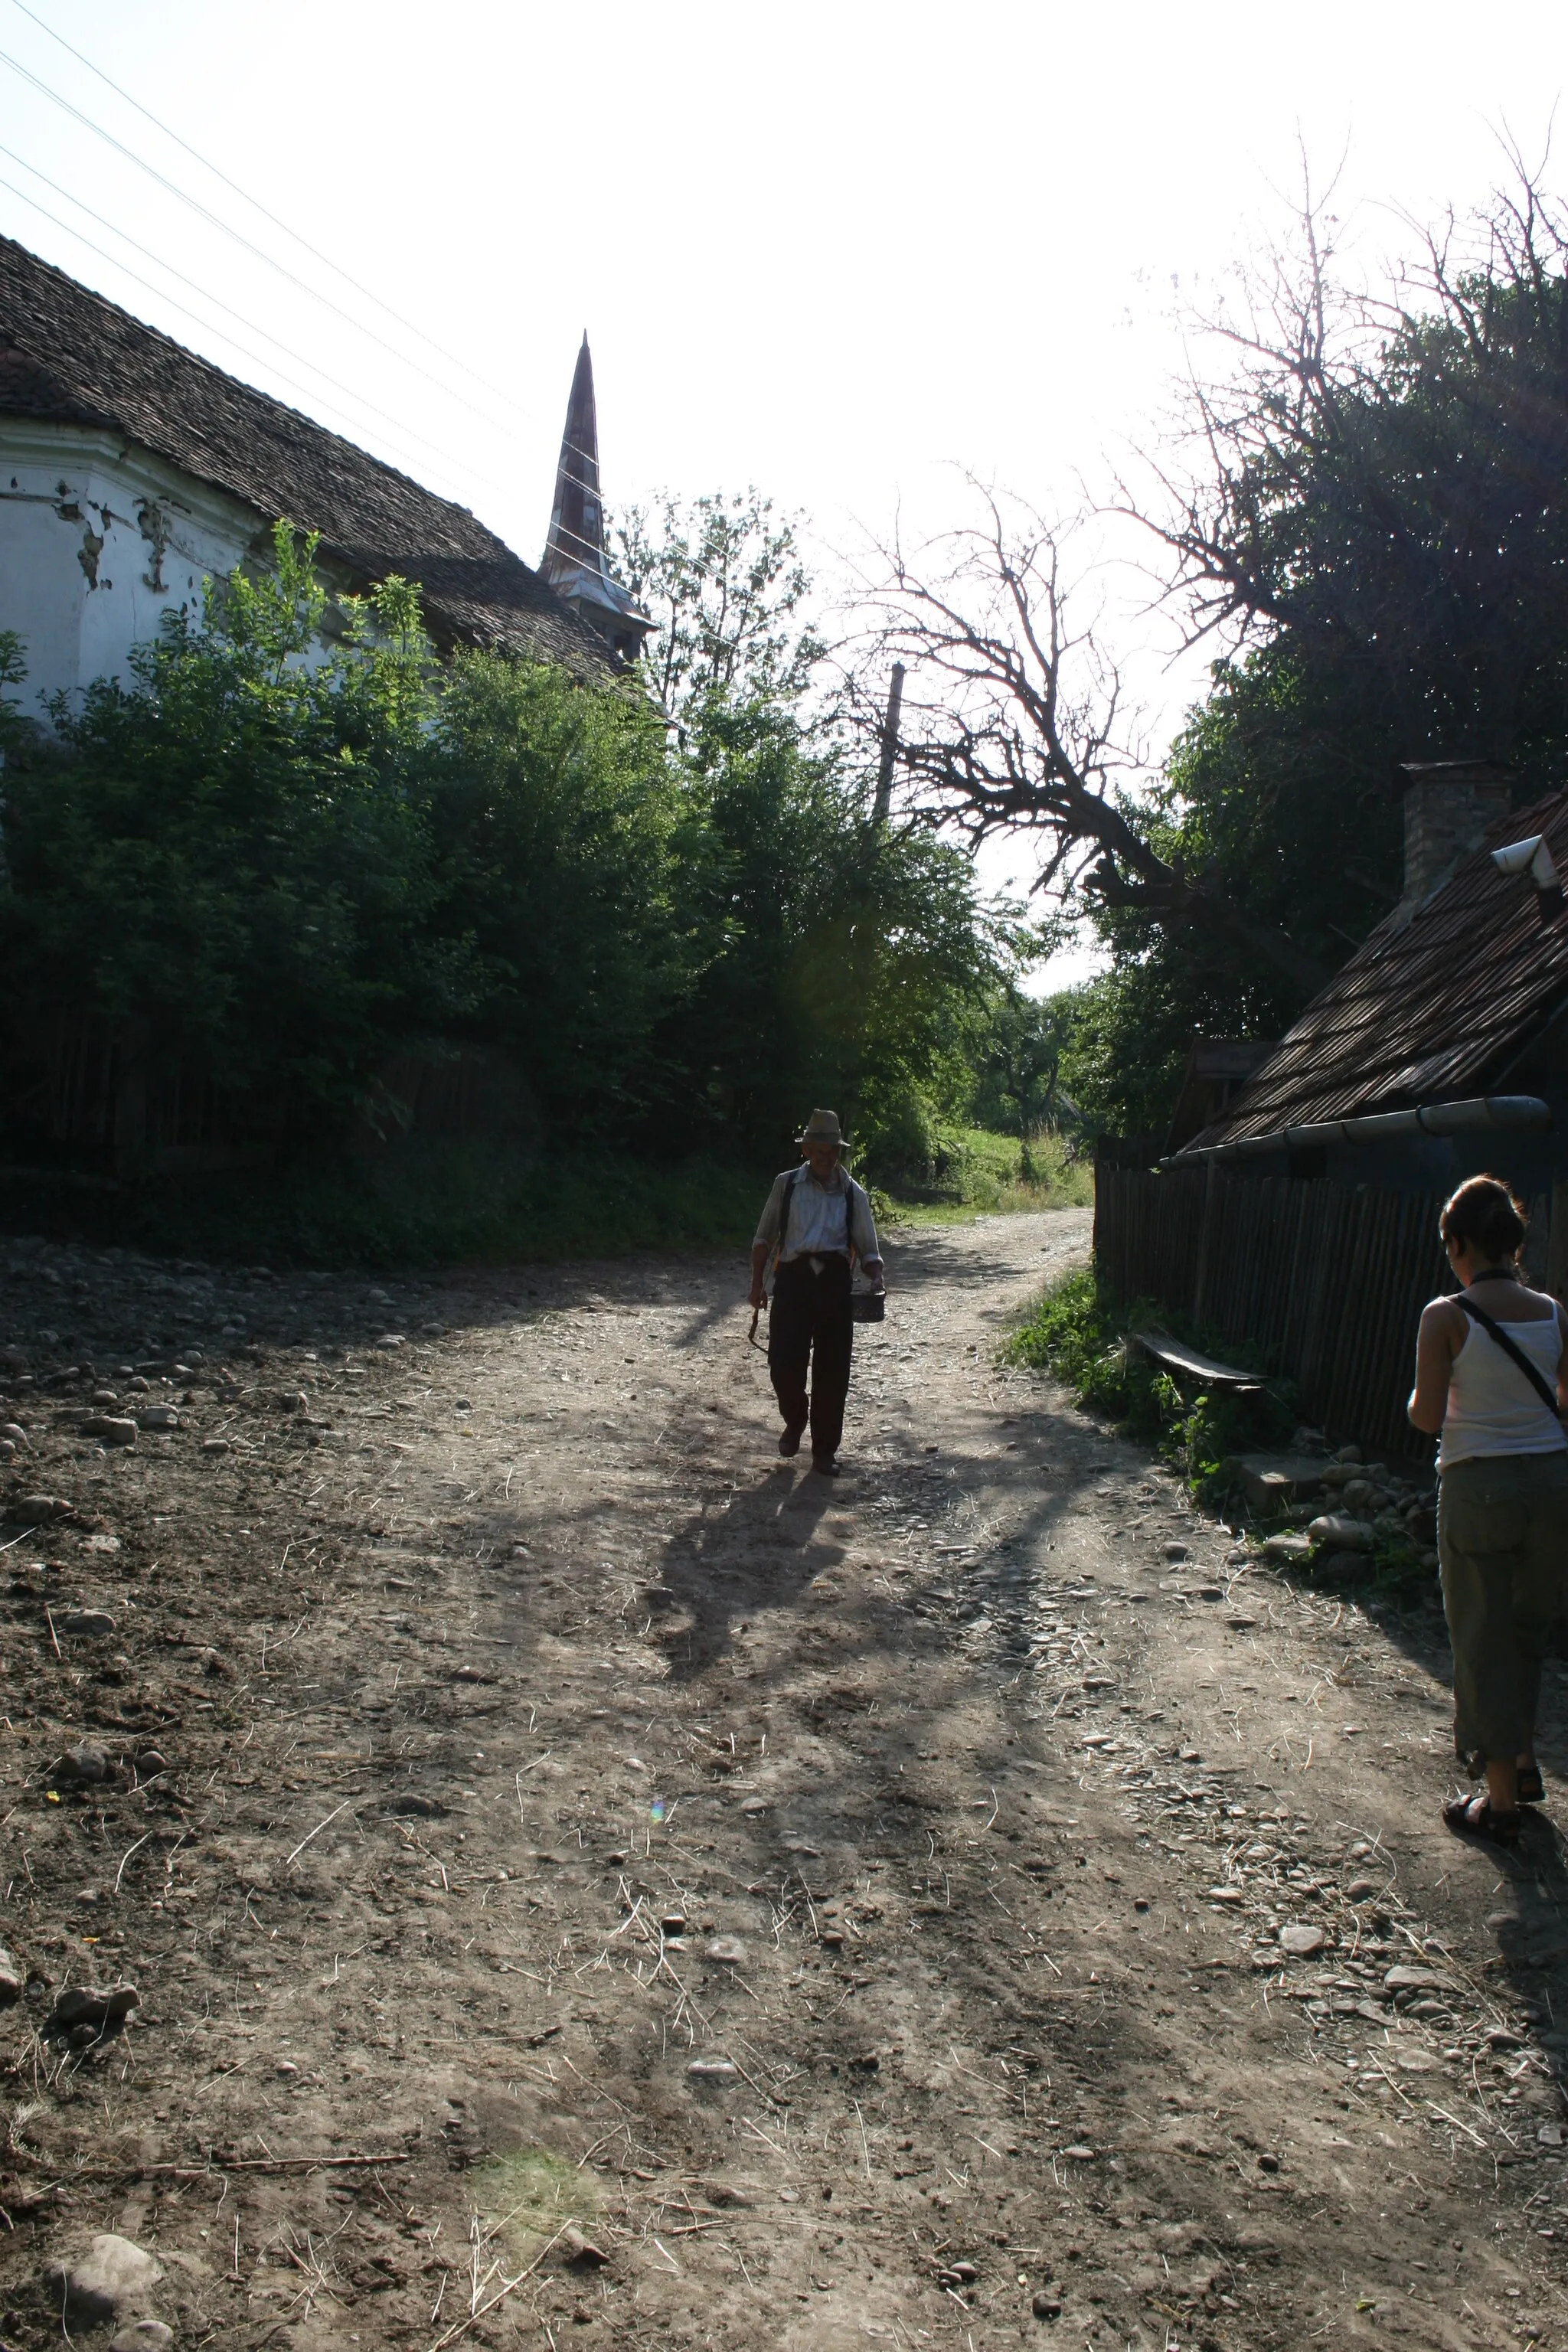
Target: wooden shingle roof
point(67, 354)
point(1428, 1010)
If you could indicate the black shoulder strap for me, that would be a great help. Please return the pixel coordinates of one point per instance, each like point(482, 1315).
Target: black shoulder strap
point(1496, 1331)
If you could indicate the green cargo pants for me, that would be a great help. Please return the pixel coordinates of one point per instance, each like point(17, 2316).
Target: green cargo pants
point(1502, 1542)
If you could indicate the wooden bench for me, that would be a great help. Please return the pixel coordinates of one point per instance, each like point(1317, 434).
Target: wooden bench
point(1189, 1364)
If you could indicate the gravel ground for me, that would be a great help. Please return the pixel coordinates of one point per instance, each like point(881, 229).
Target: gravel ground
point(585, 1880)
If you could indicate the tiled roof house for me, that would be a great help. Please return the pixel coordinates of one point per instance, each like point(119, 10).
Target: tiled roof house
point(128, 468)
point(1459, 994)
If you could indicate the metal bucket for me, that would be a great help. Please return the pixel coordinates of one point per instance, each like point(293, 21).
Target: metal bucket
point(869, 1307)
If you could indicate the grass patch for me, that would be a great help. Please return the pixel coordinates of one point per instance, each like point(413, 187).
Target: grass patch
point(1078, 1333)
point(979, 1172)
point(528, 2196)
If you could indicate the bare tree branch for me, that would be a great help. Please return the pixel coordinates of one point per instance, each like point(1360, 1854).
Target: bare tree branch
point(1013, 721)
point(1307, 407)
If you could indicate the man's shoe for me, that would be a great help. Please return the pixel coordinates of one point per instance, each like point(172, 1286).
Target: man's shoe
point(825, 1465)
point(790, 1442)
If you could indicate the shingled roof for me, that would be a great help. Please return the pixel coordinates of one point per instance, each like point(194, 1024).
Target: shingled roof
point(68, 355)
point(1428, 1009)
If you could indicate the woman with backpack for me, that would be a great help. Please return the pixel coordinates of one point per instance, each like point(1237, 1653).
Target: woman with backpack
point(1490, 1368)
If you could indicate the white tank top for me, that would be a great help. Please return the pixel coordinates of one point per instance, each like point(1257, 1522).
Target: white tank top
point(1492, 1409)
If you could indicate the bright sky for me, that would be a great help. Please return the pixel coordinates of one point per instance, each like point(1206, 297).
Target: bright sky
point(835, 250)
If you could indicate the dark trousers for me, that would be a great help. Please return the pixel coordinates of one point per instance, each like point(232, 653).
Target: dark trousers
point(811, 1322)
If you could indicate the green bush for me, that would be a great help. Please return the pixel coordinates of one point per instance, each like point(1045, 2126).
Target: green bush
point(563, 838)
point(277, 884)
point(285, 871)
point(839, 957)
point(1078, 1333)
point(234, 853)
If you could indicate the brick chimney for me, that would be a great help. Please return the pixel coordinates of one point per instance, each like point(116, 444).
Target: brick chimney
point(1450, 805)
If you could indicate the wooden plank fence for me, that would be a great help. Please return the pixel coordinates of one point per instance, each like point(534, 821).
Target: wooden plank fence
point(1325, 1281)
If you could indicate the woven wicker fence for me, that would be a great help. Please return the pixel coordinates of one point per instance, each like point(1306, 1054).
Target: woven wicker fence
point(1327, 1283)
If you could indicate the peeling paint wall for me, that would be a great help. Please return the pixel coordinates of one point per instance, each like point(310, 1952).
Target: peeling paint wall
point(98, 541)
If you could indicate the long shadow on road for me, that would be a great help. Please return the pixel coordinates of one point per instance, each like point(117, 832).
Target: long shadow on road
point(754, 1548)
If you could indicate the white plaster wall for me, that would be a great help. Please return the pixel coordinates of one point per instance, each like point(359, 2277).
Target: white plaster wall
point(97, 541)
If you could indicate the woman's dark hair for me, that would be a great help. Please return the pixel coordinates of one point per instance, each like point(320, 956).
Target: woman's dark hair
point(1484, 1216)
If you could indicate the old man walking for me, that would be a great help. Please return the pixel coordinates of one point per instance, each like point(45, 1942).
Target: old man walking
point(817, 1224)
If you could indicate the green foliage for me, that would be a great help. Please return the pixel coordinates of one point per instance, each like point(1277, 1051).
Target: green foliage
point(1079, 1334)
point(14, 729)
point(561, 830)
point(236, 855)
point(286, 868)
point(725, 586)
point(1278, 788)
point(419, 1204)
point(837, 953)
point(1389, 496)
point(1072, 1334)
point(971, 1171)
point(1016, 1057)
point(286, 874)
point(937, 1166)
point(1387, 524)
point(1131, 1027)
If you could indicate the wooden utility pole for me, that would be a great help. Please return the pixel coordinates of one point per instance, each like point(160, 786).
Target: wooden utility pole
point(884, 801)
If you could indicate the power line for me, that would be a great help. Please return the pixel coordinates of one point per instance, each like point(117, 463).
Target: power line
point(215, 221)
point(369, 407)
point(257, 205)
point(138, 280)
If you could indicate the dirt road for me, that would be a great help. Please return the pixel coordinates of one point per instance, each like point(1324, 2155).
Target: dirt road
point(588, 1882)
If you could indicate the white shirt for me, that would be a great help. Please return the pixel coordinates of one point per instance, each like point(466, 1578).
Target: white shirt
point(1492, 1409)
point(822, 1218)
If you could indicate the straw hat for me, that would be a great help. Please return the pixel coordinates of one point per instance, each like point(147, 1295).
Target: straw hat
point(823, 1127)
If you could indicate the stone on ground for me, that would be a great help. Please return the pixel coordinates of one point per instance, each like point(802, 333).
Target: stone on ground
point(109, 2282)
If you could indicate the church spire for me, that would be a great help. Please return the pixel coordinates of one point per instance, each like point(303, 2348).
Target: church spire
point(574, 563)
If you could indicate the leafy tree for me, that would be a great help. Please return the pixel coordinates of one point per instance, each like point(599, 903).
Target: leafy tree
point(1013, 723)
point(1015, 1054)
point(282, 870)
point(1384, 480)
point(840, 957)
point(726, 586)
point(286, 868)
point(1382, 529)
point(236, 855)
point(1281, 793)
point(840, 950)
point(562, 828)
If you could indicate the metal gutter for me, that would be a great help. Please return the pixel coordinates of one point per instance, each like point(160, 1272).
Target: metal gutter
point(1485, 1114)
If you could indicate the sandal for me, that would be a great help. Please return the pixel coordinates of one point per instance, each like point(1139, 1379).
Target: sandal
point(1477, 1817)
point(1531, 1786)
